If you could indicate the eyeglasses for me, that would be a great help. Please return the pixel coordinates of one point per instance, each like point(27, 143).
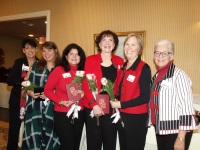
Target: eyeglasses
point(163, 54)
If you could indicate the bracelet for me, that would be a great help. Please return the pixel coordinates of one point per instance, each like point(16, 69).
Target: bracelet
point(92, 101)
point(180, 139)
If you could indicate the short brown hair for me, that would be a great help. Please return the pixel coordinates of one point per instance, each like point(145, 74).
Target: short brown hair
point(139, 40)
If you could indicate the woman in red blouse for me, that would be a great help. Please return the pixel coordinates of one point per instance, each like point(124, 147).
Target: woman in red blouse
point(68, 128)
point(104, 64)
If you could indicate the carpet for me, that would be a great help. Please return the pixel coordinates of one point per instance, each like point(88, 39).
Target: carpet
point(3, 135)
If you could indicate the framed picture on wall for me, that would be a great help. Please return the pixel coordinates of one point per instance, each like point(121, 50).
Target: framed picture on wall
point(122, 36)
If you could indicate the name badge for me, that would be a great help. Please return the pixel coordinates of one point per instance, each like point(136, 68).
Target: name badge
point(66, 75)
point(165, 83)
point(46, 101)
point(131, 78)
point(25, 68)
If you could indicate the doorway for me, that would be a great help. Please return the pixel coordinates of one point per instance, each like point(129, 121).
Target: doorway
point(9, 25)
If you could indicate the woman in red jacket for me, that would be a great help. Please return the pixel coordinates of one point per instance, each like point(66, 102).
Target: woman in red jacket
point(103, 64)
point(133, 92)
point(68, 128)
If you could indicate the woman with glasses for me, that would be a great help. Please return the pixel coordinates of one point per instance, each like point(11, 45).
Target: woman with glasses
point(171, 104)
point(133, 92)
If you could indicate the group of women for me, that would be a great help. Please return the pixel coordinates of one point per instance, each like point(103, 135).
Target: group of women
point(165, 101)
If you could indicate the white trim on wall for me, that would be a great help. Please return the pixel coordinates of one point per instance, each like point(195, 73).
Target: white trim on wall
point(45, 13)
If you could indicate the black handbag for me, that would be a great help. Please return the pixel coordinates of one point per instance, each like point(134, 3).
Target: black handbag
point(197, 115)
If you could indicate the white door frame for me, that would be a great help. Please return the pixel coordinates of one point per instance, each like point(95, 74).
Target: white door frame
point(45, 13)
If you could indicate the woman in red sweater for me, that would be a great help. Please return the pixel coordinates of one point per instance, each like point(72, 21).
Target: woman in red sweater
point(133, 91)
point(68, 128)
point(103, 64)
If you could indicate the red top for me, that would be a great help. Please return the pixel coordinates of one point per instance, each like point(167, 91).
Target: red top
point(93, 66)
point(55, 88)
point(130, 89)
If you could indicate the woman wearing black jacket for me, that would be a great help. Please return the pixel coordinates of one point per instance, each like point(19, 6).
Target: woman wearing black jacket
point(19, 72)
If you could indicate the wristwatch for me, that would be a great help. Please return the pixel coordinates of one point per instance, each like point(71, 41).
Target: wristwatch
point(180, 139)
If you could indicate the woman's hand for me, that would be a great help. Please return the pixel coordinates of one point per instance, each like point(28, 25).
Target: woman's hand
point(115, 104)
point(82, 93)
point(28, 74)
point(179, 145)
point(66, 103)
point(180, 141)
point(97, 110)
point(32, 94)
point(42, 95)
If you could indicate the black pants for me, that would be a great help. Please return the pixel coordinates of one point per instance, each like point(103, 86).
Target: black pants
point(133, 135)
point(14, 127)
point(68, 130)
point(166, 142)
point(105, 133)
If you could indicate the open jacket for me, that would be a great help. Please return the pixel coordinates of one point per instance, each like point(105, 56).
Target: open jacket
point(174, 100)
point(93, 66)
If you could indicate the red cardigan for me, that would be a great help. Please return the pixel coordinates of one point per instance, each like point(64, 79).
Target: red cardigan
point(55, 88)
point(93, 66)
point(130, 89)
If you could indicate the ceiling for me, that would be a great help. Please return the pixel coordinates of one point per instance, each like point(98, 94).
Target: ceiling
point(22, 28)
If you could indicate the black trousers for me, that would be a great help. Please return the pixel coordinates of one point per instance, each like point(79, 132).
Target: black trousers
point(133, 135)
point(166, 142)
point(14, 127)
point(105, 133)
point(69, 130)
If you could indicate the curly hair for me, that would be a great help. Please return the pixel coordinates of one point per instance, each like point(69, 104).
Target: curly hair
point(31, 42)
point(109, 34)
point(65, 64)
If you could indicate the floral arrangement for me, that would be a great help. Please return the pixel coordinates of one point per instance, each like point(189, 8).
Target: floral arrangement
point(79, 77)
point(91, 78)
point(75, 108)
point(108, 87)
point(26, 85)
point(92, 82)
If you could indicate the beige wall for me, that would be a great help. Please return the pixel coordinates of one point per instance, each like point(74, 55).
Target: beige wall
point(77, 21)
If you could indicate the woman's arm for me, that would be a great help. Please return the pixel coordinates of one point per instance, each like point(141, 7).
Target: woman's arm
point(88, 93)
point(49, 88)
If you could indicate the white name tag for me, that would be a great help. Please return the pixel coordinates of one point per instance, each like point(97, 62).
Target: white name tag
point(66, 75)
point(46, 101)
point(25, 68)
point(165, 83)
point(131, 78)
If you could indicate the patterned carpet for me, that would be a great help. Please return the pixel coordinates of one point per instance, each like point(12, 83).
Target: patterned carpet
point(3, 135)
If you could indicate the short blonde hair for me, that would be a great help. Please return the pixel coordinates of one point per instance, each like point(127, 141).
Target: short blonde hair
point(139, 40)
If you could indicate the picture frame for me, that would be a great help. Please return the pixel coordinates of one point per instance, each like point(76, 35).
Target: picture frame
point(122, 36)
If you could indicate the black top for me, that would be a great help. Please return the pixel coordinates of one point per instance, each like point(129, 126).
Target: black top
point(3, 74)
point(109, 72)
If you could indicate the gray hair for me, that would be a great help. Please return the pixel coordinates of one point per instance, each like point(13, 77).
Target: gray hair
point(167, 43)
